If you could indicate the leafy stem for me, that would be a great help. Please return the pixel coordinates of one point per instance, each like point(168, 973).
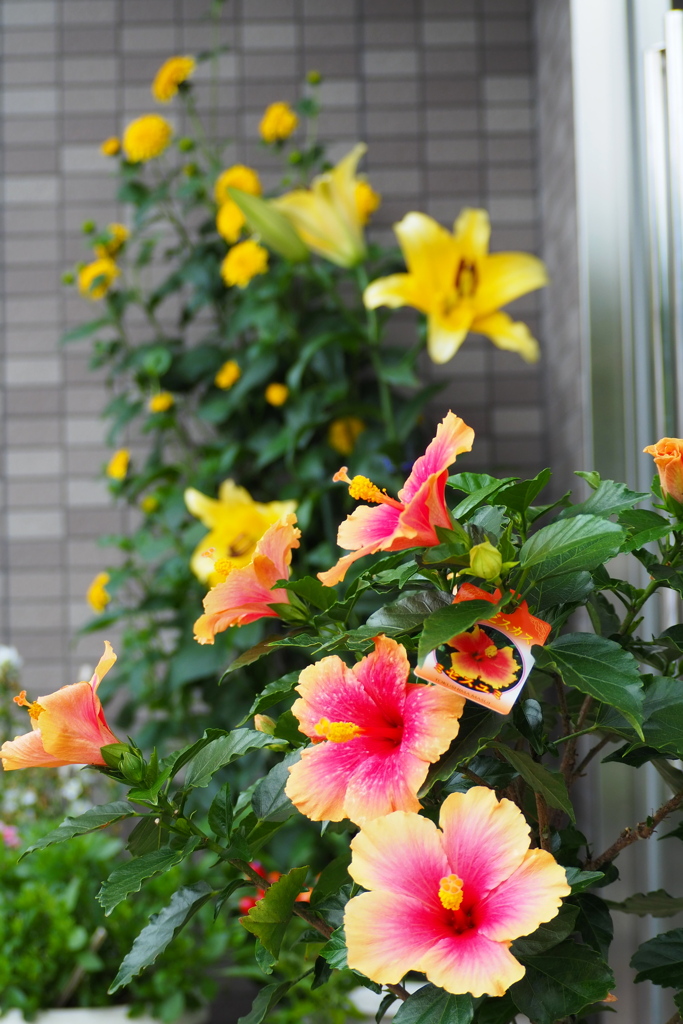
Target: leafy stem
point(643, 830)
point(373, 336)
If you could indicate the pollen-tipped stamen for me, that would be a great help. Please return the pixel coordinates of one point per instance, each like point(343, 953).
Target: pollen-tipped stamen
point(223, 567)
point(362, 489)
point(34, 708)
point(337, 732)
point(450, 892)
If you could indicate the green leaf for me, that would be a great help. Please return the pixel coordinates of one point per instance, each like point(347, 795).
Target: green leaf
point(129, 877)
point(599, 667)
point(254, 653)
point(146, 836)
point(518, 496)
point(268, 997)
point(269, 801)
point(333, 876)
point(644, 526)
point(313, 591)
point(220, 813)
point(468, 483)
point(268, 920)
point(527, 716)
point(85, 330)
point(162, 928)
point(478, 726)
point(660, 960)
point(447, 622)
point(663, 714)
point(550, 785)
point(570, 588)
point(221, 752)
point(497, 1011)
point(92, 821)
point(580, 880)
point(334, 950)
point(272, 694)
point(408, 611)
point(672, 577)
point(560, 982)
point(549, 934)
point(594, 922)
point(570, 545)
point(655, 904)
point(431, 1005)
point(608, 498)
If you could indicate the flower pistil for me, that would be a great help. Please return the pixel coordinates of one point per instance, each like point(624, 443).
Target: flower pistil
point(337, 732)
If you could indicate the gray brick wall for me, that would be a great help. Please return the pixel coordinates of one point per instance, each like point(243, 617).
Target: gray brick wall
point(441, 90)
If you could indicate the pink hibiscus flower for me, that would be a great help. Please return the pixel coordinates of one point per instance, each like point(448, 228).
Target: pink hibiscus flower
point(449, 901)
point(375, 735)
point(479, 658)
point(247, 592)
point(409, 522)
point(69, 726)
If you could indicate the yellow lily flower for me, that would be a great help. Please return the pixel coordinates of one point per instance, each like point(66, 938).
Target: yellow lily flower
point(460, 285)
point(236, 524)
point(326, 216)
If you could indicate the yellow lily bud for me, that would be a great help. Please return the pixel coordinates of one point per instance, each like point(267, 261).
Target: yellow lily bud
point(486, 561)
point(272, 226)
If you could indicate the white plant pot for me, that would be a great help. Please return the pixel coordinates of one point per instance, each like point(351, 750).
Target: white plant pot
point(98, 1015)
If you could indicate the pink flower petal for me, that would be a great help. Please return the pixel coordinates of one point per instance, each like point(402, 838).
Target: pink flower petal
point(384, 781)
point(329, 689)
point(387, 934)
point(317, 783)
point(485, 839)
point(401, 854)
point(431, 720)
point(27, 751)
point(531, 895)
point(384, 673)
point(470, 963)
point(453, 437)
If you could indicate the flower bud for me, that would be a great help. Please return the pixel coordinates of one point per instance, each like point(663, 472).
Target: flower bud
point(186, 145)
point(88, 226)
point(68, 277)
point(314, 78)
point(264, 723)
point(485, 561)
point(668, 456)
point(273, 227)
point(295, 157)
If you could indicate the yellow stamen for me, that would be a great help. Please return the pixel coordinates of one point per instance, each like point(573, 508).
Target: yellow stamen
point(34, 708)
point(223, 567)
point(491, 651)
point(450, 892)
point(363, 489)
point(337, 732)
point(466, 279)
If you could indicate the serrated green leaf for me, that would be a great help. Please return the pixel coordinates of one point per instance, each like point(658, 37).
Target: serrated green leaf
point(562, 981)
point(594, 922)
point(334, 950)
point(598, 667)
point(550, 785)
point(408, 611)
point(518, 496)
point(255, 653)
point(268, 920)
point(447, 622)
point(478, 726)
point(92, 821)
point(220, 813)
point(129, 877)
point(547, 935)
point(313, 591)
point(644, 526)
point(269, 996)
point(580, 880)
point(221, 752)
point(162, 928)
point(660, 960)
point(570, 588)
point(272, 694)
point(269, 800)
point(654, 904)
point(431, 1005)
point(570, 545)
point(608, 498)
point(146, 836)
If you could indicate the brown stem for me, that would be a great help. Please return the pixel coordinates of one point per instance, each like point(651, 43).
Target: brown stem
point(643, 830)
point(676, 1019)
point(589, 756)
point(477, 779)
point(564, 710)
point(569, 757)
point(305, 913)
point(543, 822)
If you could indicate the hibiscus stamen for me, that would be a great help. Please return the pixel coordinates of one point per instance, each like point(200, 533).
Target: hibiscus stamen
point(491, 651)
point(337, 732)
point(363, 489)
point(34, 708)
point(223, 567)
point(450, 892)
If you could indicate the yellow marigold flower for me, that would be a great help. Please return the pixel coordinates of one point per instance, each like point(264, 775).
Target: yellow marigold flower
point(367, 200)
point(230, 221)
point(150, 503)
point(228, 374)
point(237, 176)
point(276, 394)
point(111, 146)
point(278, 122)
point(146, 137)
point(117, 467)
point(96, 278)
point(161, 402)
point(460, 285)
point(118, 235)
point(96, 594)
point(244, 261)
point(344, 433)
point(169, 76)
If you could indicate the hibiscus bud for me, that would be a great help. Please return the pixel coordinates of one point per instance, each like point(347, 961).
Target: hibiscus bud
point(113, 753)
point(668, 456)
point(485, 561)
point(264, 723)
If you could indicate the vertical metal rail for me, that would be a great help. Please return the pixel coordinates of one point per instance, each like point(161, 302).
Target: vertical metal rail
point(673, 38)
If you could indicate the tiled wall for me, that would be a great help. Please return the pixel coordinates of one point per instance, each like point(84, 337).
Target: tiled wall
point(442, 91)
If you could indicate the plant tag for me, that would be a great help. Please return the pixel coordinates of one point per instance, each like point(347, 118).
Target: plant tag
point(489, 662)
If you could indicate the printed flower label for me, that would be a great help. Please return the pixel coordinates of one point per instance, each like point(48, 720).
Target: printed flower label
point(489, 662)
